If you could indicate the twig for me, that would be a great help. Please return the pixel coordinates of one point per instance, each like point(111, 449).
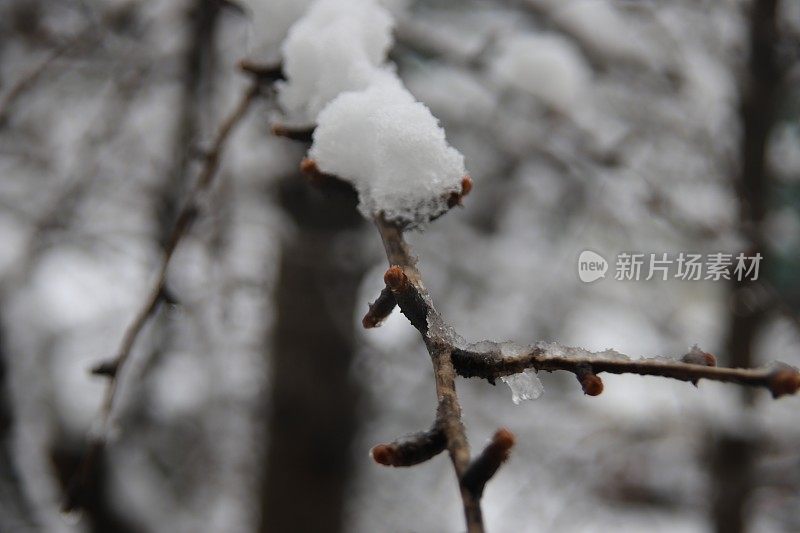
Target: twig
point(489, 461)
point(32, 76)
point(186, 217)
point(780, 380)
point(379, 309)
point(112, 368)
point(294, 133)
point(405, 281)
point(411, 449)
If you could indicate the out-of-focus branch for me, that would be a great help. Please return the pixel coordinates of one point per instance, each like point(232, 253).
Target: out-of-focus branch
point(186, 217)
point(112, 368)
point(32, 76)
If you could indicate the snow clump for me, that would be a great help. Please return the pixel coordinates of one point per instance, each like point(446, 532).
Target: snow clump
point(370, 130)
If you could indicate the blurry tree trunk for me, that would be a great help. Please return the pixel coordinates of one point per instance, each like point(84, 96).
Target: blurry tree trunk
point(313, 395)
point(735, 455)
point(15, 512)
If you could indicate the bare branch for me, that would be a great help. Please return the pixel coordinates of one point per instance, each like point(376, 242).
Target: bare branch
point(112, 368)
point(411, 449)
point(490, 365)
point(485, 466)
point(295, 133)
point(186, 217)
point(379, 309)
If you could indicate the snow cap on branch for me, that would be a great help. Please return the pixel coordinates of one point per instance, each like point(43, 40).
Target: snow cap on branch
point(339, 45)
point(370, 129)
point(392, 150)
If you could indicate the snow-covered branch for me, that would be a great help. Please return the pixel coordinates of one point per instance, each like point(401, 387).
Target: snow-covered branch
point(372, 136)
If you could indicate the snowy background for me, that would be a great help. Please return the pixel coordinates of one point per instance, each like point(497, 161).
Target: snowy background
point(584, 124)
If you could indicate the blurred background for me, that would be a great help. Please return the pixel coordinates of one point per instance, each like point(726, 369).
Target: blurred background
point(253, 396)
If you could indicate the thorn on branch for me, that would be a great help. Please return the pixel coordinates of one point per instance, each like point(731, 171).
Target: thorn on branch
point(485, 466)
point(380, 309)
point(783, 380)
point(590, 382)
point(410, 450)
point(294, 133)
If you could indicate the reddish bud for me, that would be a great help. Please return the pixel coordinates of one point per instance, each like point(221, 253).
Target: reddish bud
point(383, 454)
point(592, 384)
point(504, 439)
point(466, 185)
point(395, 278)
point(784, 380)
point(309, 166)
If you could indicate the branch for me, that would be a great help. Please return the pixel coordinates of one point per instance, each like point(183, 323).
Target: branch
point(33, 75)
point(379, 309)
point(488, 462)
point(411, 449)
point(490, 364)
point(186, 217)
point(112, 368)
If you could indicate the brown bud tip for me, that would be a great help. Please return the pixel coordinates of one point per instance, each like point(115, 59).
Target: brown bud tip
point(383, 454)
point(466, 185)
point(309, 166)
point(281, 131)
point(592, 384)
point(395, 278)
point(698, 357)
point(369, 321)
point(783, 381)
point(504, 439)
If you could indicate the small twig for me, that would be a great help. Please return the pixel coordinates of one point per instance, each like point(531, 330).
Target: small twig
point(411, 449)
point(111, 369)
point(34, 74)
point(294, 133)
point(485, 466)
point(379, 309)
point(263, 74)
point(186, 217)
